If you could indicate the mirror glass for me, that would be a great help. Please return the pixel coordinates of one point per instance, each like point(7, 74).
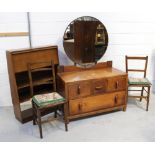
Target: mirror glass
point(85, 40)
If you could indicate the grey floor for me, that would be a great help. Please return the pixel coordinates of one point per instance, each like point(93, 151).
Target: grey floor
point(133, 125)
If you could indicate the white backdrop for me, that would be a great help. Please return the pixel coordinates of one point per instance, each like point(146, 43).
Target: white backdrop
point(129, 34)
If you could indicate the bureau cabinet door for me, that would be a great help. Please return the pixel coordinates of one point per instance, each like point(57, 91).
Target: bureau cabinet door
point(115, 84)
point(97, 102)
point(99, 86)
point(76, 90)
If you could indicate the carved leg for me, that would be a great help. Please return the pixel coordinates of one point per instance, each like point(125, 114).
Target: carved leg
point(148, 99)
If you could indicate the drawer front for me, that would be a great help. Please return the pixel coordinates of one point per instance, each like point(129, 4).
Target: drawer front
point(118, 83)
point(95, 103)
point(99, 86)
point(75, 106)
point(77, 90)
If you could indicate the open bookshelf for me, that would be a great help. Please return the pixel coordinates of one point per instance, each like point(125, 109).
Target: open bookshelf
point(17, 61)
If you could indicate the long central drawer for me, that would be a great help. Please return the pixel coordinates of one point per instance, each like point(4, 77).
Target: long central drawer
point(97, 102)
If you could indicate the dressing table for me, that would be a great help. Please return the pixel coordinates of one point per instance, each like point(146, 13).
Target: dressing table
point(90, 89)
point(93, 91)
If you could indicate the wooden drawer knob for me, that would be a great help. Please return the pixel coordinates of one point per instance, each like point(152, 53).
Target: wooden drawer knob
point(80, 107)
point(78, 90)
point(99, 87)
point(117, 85)
point(116, 99)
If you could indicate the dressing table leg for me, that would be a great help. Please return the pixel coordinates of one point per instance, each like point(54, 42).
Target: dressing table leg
point(124, 108)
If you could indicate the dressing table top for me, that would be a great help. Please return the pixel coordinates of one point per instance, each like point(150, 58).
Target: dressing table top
point(76, 76)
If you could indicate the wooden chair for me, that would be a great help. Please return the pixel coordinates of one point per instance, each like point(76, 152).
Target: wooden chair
point(43, 73)
point(142, 83)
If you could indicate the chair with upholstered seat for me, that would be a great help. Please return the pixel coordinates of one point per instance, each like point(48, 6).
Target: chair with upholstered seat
point(47, 99)
point(142, 83)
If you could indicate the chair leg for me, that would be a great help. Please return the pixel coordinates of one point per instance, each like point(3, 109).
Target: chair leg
point(39, 123)
point(142, 93)
point(148, 99)
point(55, 113)
point(65, 116)
point(33, 114)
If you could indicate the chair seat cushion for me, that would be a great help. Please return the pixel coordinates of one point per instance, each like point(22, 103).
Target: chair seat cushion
point(47, 99)
point(139, 81)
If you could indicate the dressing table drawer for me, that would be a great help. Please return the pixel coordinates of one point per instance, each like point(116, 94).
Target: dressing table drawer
point(77, 90)
point(94, 103)
point(99, 86)
point(75, 106)
point(116, 84)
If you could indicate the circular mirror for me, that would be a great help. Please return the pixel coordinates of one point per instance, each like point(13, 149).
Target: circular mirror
point(85, 40)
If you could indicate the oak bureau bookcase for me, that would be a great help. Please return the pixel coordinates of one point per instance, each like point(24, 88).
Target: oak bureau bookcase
point(17, 61)
point(90, 87)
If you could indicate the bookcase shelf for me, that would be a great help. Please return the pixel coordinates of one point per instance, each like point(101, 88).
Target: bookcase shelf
point(17, 61)
point(22, 79)
point(24, 94)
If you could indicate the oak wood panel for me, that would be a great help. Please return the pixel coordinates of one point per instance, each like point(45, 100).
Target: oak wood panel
point(13, 88)
point(99, 86)
point(104, 101)
point(62, 69)
point(116, 83)
point(90, 74)
point(94, 103)
point(79, 89)
point(93, 113)
point(74, 106)
point(21, 60)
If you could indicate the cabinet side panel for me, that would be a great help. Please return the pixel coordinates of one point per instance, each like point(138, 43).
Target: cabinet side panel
point(60, 86)
point(13, 87)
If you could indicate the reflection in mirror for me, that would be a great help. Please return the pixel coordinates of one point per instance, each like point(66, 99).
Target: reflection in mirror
point(85, 40)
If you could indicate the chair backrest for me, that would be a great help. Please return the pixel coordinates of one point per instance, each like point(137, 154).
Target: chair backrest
point(136, 58)
point(41, 73)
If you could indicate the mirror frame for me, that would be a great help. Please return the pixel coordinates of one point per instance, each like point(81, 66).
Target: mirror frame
point(89, 64)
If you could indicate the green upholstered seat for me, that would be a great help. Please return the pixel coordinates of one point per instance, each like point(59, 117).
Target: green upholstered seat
point(138, 81)
point(47, 99)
